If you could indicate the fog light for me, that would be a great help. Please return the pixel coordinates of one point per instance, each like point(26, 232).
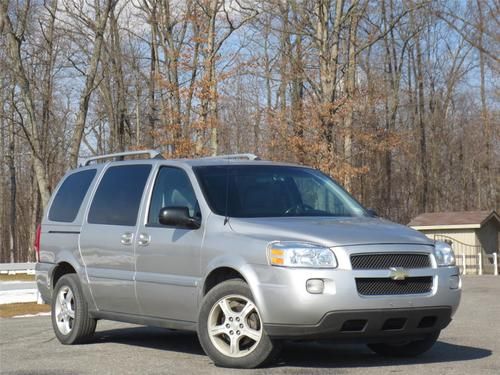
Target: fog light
point(315, 286)
point(455, 282)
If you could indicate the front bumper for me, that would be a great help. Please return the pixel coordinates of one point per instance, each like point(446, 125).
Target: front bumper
point(368, 325)
point(283, 300)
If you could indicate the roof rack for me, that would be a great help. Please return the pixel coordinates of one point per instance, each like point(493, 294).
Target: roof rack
point(234, 156)
point(153, 154)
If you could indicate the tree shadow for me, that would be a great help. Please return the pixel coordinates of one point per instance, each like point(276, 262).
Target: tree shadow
point(295, 354)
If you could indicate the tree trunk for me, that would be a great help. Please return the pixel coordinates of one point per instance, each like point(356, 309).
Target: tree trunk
point(270, 131)
point(350, 90)
point(90, 77)
point(209, 91)
point(422, 127)
point(121, 113)
point(14, 42)
point(194, 72)
point(329, 41)
point(490, 174)
point(153, 73)
point(13, 192)
point(285, 57)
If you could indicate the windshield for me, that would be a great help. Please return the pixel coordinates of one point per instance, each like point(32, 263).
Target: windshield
point(273, 191)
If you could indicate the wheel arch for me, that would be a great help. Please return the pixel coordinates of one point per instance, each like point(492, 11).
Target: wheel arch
point(62, 268)
point(219, 275)
point(67, 262)
point(226, 268)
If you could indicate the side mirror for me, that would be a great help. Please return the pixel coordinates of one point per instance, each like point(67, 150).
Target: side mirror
point(372, 212)
point(178, 217)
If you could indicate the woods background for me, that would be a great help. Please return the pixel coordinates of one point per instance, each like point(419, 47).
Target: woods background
point(397, 100)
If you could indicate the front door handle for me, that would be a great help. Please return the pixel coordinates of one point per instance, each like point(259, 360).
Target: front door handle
point(126, 238)
point(144, 239)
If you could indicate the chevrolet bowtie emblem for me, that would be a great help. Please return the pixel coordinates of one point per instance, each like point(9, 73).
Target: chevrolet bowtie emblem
point(398, 273)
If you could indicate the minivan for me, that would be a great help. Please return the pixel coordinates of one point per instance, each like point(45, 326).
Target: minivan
point(247, 253)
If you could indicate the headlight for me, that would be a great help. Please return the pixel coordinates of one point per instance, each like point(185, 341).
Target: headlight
point(444, 254)
point(300, 254)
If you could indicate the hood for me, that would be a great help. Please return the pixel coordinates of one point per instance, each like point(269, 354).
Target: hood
point(330, 232)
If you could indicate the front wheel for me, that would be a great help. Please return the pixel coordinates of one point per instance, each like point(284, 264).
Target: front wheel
point(406, 349)
point(70, 317)
point(230, 327)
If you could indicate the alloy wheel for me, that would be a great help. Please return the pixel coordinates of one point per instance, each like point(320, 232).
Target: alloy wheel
point(65, 310)
point(234, 326)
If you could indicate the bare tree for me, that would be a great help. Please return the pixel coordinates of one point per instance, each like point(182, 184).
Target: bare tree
point(211, 10)
point(15, 38)
point(394, 99)
point(98, 26)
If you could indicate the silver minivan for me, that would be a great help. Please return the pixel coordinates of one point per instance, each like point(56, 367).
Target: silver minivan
point(247, 253)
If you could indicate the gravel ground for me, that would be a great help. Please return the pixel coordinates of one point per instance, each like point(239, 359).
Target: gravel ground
point(470, 345)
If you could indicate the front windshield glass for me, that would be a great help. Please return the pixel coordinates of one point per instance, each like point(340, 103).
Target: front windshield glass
point(274, 191)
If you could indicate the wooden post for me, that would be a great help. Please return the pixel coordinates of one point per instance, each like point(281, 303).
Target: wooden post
point(495, 264)
point(464, 271)
point(480, 262)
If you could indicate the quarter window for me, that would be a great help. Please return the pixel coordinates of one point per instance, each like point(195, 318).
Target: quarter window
point(118, 197)
point(70, 195)
point(172, 189)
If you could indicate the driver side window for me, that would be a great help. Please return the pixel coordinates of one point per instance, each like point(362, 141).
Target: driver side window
point(172, 189)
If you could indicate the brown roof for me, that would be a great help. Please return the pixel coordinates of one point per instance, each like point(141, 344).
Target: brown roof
point(453, 218)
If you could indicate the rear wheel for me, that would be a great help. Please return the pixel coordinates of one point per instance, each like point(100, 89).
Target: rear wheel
point(230, 327)
point(70, 318)
point(405, 349)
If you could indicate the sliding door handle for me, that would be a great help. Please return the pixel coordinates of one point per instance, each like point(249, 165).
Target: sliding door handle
point(144, 239)
point(127, 238)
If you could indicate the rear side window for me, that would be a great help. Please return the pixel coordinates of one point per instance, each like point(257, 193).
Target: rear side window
point(70, 195)
point(118, 197)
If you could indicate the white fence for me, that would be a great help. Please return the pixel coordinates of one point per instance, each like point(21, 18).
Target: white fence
point(14, 291)
point(14, 268)
point(471, 259)
point(488, 265)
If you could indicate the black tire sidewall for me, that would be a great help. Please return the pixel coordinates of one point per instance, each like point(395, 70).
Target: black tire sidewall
point(81, 313)
point(264, 351)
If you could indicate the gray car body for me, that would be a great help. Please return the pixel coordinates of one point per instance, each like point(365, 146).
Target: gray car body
point(163, 283)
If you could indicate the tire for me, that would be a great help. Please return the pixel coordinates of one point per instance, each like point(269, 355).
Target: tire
point(71, 321)
point(408, 349)
point(237, 338)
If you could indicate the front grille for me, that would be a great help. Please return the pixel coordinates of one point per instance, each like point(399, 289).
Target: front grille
point(388, 260)
point(385, 286)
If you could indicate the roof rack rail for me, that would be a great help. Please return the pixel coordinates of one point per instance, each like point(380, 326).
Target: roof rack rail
point(153, 154)
point(234, 156)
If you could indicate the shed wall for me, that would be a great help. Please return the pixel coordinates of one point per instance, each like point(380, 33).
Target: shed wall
point(488, 237)
point(464, 242)
point(467, 236)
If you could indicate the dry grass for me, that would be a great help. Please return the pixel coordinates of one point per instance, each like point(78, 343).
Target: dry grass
point(12, 309)
point(18, 277)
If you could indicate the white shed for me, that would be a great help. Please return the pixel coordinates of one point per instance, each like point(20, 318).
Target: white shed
point(474, 235)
